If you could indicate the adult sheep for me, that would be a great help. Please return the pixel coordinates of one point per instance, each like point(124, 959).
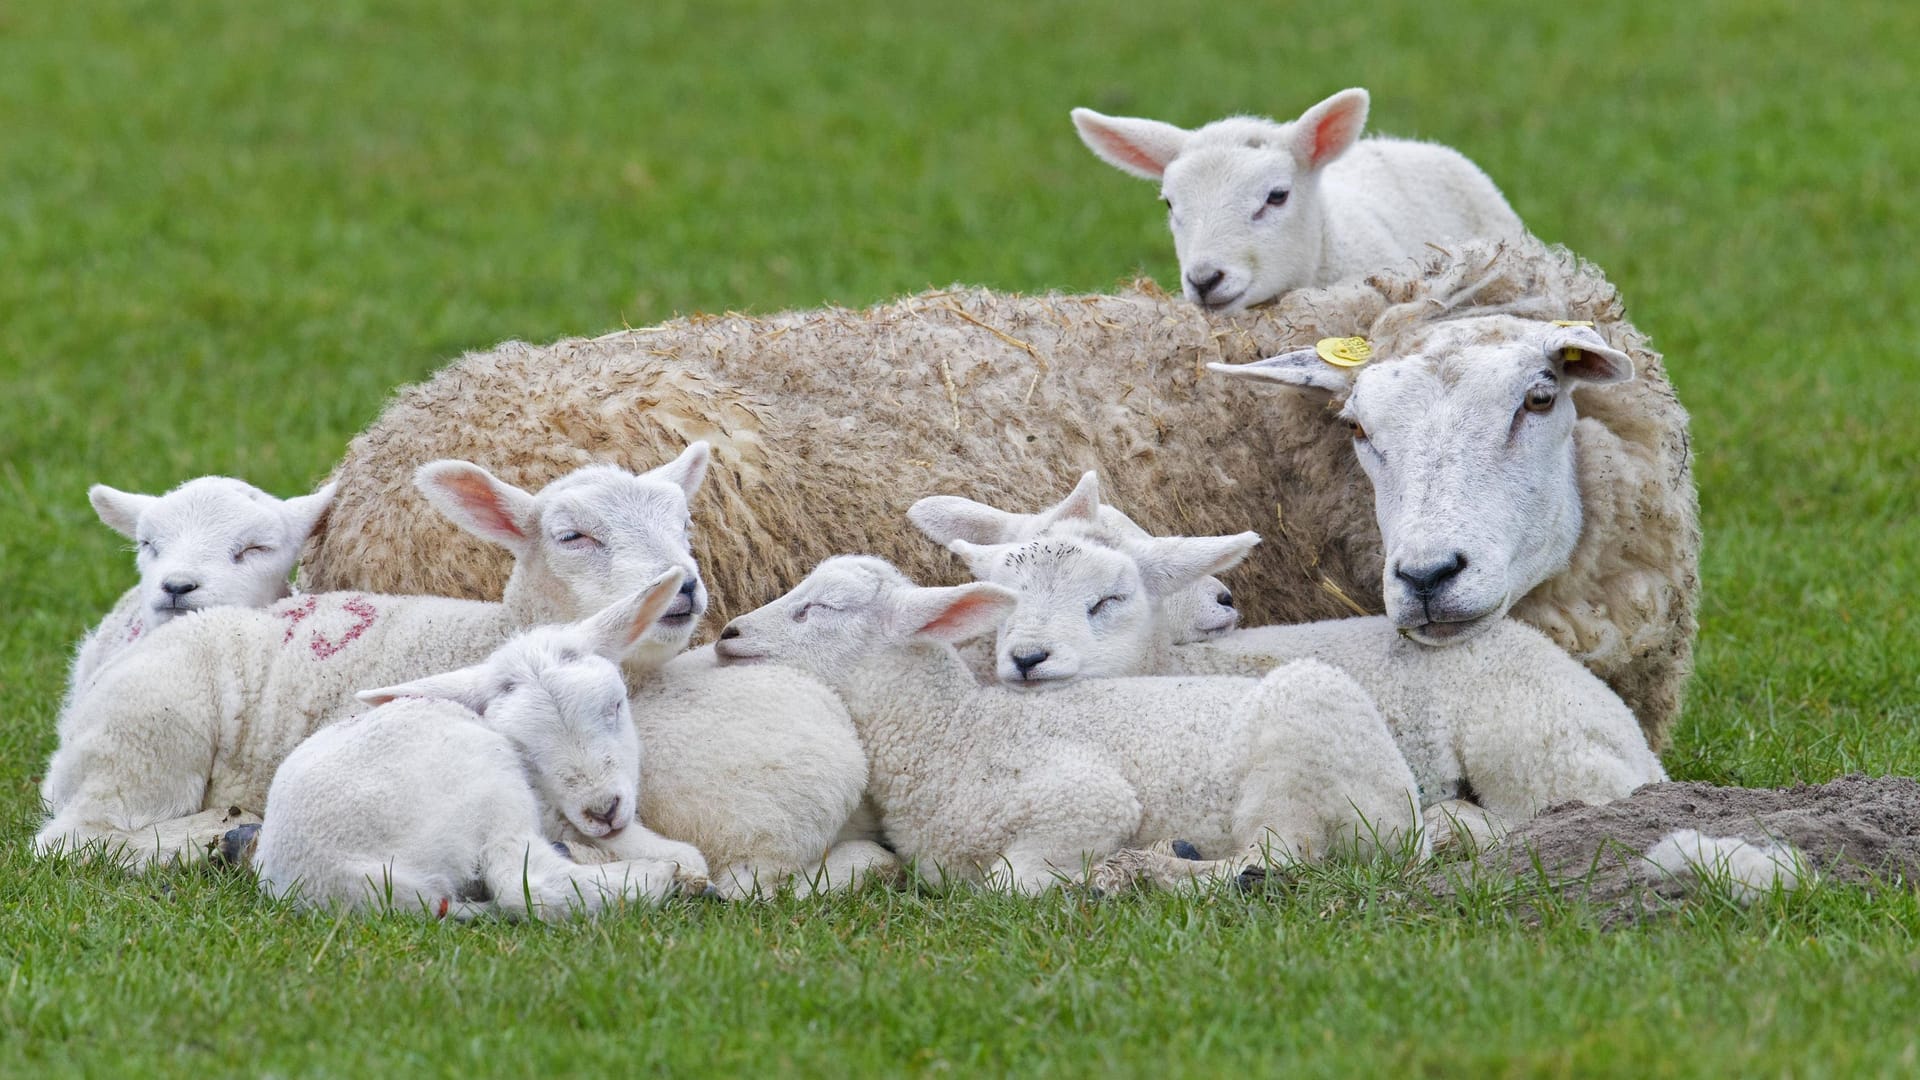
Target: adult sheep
point(828, 424)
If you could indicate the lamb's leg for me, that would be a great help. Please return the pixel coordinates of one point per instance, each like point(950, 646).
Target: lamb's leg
point(848, 865)
point(181, 839)
point(528, 879)
point(1325, 776)
point(1460, 827)
point(637, 843)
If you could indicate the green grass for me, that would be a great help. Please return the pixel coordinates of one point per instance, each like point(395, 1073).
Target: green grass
point(228, 230)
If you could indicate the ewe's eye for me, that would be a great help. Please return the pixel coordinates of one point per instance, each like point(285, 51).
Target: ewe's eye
point(1101, 604)
point(1277, 197)
point(1541, 398)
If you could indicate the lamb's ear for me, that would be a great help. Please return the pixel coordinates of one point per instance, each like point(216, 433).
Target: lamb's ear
point(1327, 130)
point(1301, 367)
point(955, 614)
point(1586, 356)
point(468, 686)
point(1082, 504)
point(1132, 145)
point(479, 502)
point(946, 518)
point(120, 510)
point(303, 511)
point(621, 625)
point(688, 470)
point(978, 557)
point(1170, 563)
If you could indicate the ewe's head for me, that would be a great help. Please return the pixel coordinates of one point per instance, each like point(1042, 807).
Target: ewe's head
point(853, 607)
point(1466, 429)
point(1242, 194)
point(1087, 608)
point(557, 694)
point(211, 542)
point(585, 539)
point(1202, 609)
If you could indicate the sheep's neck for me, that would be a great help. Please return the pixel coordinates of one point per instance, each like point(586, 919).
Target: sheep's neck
point(904, 699)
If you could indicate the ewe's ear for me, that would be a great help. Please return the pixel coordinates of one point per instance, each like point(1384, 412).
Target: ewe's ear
point(689, 469)
point(303, 511)
point(952, 615)
point(621, 625)
point(1171, 563)
point(477, 501)
point(120, 510)
point(1140, 147)
point(1327, 130)
point(468, 686)
point(946, 518)
point(1082, 504)
point(1584, 355)
point(1302, 368)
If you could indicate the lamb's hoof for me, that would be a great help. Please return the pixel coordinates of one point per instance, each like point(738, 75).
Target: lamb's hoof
point(236, 846)
point(1184, 850)
point(1252, 879)
point(561, 849)
point(1115, 874)
point(694, 886)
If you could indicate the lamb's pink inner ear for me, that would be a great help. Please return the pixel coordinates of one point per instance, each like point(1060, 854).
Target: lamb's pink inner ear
point(479, 499)
point(971, 614)
point(1130, 153)
point(1337, 130)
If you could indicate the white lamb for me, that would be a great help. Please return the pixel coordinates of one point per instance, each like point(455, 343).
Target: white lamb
point(211, 542)
point(1507, 719)
point(177, 741)
point(985, 782)
point(445, 799)
point(1260, 208)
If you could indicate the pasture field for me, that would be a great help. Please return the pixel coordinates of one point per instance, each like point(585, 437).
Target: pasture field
point(228, 230)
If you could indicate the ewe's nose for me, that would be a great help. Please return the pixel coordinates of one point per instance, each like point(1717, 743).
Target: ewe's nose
point(1027, 661)
point(605, 816)
point(178, 586)
point(1205, 280)
point(1425, 580)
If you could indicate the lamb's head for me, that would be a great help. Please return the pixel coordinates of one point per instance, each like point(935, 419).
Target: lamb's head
point(852, 608)
point(211, 542)
point(586, 539)
point(1202, 610)
point(557, 694)
point(1088, 608)
point(1242, 194)
point(1466, 428)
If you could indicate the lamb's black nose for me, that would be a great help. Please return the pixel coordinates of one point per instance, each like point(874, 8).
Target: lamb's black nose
point(1204, 282)
point(1225, 599)
point(729, 632)
point(688, 586)
point(1027, 661)
point(174, 586)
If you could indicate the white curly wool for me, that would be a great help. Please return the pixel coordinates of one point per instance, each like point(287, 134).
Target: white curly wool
point(445, 799)
point(213, 541)
point(1260, 208)
point(168, 742)
point(1750, 869)
point(1020, 790)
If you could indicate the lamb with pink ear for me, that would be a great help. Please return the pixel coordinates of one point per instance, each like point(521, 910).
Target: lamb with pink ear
point(1260, 208)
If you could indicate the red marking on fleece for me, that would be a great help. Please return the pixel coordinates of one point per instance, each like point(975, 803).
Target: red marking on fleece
point(295, 615)
point(134, 631)
point(365, 615)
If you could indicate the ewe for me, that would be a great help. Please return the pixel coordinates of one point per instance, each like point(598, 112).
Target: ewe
point(1507, 718)
point(987, 782)
point(446, 797)
point(156, 757)
point(211, 542)
point(1259, 208)
point(827, 424)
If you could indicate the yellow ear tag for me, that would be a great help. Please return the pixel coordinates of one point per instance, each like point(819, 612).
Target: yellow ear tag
point(1573, 322)
point(1344, 351)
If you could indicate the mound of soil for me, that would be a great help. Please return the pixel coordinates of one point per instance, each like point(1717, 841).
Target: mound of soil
point(1856, 828)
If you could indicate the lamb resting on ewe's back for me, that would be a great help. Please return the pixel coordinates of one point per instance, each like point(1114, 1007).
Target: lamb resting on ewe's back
point(826, 425)
point(1259, 208)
